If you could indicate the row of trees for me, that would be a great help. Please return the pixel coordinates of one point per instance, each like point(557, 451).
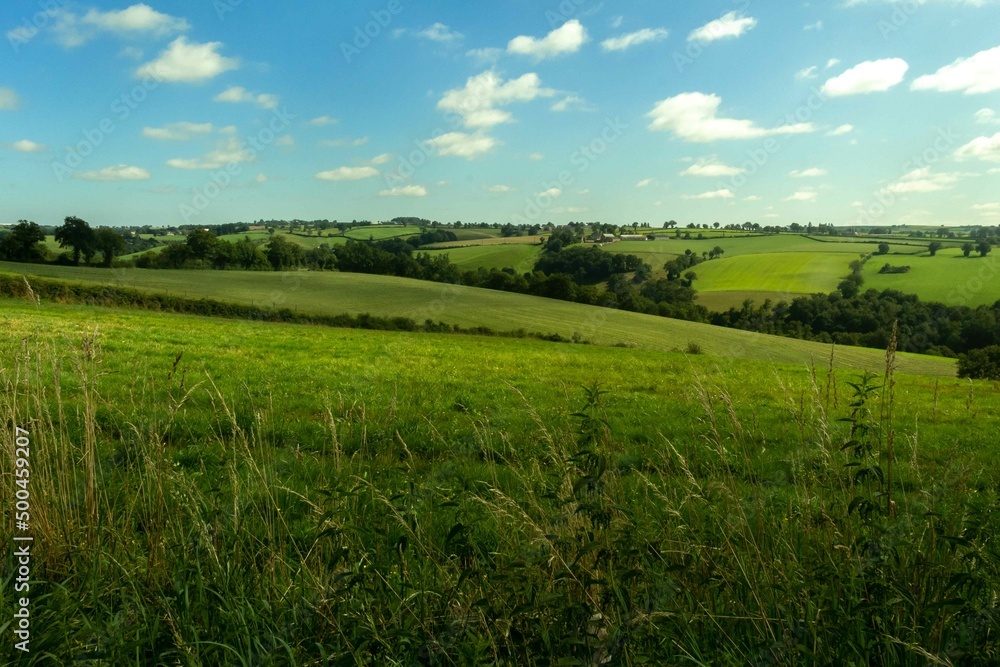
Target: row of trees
point(26, 242)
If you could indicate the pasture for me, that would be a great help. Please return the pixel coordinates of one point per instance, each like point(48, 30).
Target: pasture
point(948, 277)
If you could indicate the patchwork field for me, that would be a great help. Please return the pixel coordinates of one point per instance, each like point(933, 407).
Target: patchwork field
point(521, 258)
point(949, 277)
point(779, 276)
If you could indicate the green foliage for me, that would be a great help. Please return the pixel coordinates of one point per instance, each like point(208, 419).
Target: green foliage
point(981, 364)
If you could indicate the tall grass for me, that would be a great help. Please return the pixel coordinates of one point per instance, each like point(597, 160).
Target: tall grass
point(191, 526)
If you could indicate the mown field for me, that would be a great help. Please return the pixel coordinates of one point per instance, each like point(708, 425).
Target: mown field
point(208, 492)
point(521, 258)
point(336, 293)
point(949, 277)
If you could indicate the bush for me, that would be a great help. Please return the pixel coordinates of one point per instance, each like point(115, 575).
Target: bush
point(981, 364)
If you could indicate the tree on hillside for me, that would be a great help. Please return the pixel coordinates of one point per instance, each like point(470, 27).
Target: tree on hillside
point(983, 248)
point(967, 249)
point(77, 234)
point(283, 254)
point(248, 256)
point(934, 247)
point(23, 243)
point(883, 248)
point(202, 243)
point(717, 251)
point(110, 244)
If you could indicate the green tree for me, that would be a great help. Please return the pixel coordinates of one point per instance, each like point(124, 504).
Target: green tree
point(248, 256)
point(967, 249)
point(283, 254)
point(202, 244)
point(77, 234)
point(983, 248)
point(23, 243)
point(110, 243)
point(934, 247)
point(883, 248)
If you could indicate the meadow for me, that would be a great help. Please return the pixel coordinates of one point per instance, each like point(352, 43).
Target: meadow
point(209, 492)
point(468, 307)
point(949, 277)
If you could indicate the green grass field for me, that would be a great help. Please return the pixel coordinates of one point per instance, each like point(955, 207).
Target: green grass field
point(521, 258)
point(211, 492)
point(335, 293)
point(949, 277)
point(381, 232)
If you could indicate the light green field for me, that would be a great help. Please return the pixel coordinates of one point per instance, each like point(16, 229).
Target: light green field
point(381, 232)
point(785, 274)
point(947, 278)
point(521, 258)
point(335, 293)
point(514, 240)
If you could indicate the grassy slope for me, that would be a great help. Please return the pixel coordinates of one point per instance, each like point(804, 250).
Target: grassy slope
point(948, 277)
point(469, 307)
point(521, 258)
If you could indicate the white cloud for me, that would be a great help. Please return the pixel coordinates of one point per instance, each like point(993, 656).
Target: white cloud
point(842, 130)
point(240, 95)
point(694, 117)
point(986, 207)
point(803, 195)
point(132, 53)
point(379, 160)
point(921, 181)
point(485, 56)
point(323, 121)
point(261, 178)
point(868, 77)
point(818, 25)
point(733, 24)
point(9, 100)
point(405, 191)
point(177, 131)
point(476, 103)
point(715, 194)
point(140, 18)
point(439, 32)
point(832, 62)
point(341, 143)
point(710, 168)
point(461, 144)
point(286, 141)
point(986, 117)
point(623, 42)
point(348, 174)
point(230, 151)
point(975, 75)
point(752, 198)
point(122, 172)
point(569, 102)
point(617, 21)
point(551, 192)
point(813, 172)
point(536, 157)
point(807, 73)
point(566, 39)
point(644, 183)
point(981, 148)
point(26, 146)
point(188, 62)
point(501, 189)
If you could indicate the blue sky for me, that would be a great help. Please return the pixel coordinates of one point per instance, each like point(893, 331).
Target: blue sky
point(870, 111)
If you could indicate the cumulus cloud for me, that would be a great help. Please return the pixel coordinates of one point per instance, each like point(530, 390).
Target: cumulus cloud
point(714, 194)
point(839, 131)
point(564, 40)
point(868, 77)
point(922, 181)
point(981, 148)
point(812, 172)
point(694, 117)
point(477, 102)
point(733, 24)
point(627, 41)
point(240, 95)
point(501, 189)
point(439, 32)
point(405, 191)
point(803, 195)
point(26, 146)
point(710, 168)
point(462, 144)
point(323, 121)
point(974, 75)
point(137, 19)
point(485, 56)
point(807, 73)
point(121, 172)
point(183, 131)
point(569, 102)
point(188, 62)
point(986, 117)
point(379, 160)
point(644, 183)
point(348, 174)
point(230, 151)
